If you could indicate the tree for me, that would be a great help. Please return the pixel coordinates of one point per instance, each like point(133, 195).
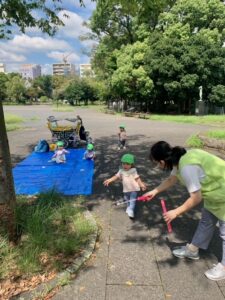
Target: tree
point(16, 89)
point(131, 80)
point(43, 85)
point(3, 81)
point(23, 14)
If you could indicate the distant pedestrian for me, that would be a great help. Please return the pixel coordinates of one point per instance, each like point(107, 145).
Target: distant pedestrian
point(122, 137)
point(131, 181)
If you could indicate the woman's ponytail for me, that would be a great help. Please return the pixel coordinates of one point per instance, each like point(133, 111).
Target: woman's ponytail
point(177, 152)
point(170, 155)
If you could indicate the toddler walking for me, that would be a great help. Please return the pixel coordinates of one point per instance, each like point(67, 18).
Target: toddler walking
point(122, 137)
point(131, 181)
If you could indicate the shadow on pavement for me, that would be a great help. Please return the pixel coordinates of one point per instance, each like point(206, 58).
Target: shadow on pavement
point(148, 214)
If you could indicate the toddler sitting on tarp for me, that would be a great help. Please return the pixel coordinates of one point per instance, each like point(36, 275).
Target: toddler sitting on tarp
point(60, 153)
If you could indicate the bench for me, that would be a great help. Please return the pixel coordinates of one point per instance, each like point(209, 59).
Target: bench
point(143, 116)
point(109, 111)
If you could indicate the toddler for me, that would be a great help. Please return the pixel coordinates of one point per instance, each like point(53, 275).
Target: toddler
point(89, 153)
point(59, 156)
point(131, 182)
point(122, 137)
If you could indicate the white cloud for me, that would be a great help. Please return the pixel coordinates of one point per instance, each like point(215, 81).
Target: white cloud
point(89, 43)
point(7, 56)
point(57, 55)
point(73, 25)
point(27, 44)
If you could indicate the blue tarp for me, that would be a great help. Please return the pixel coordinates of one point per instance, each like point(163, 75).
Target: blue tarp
point(36, 174)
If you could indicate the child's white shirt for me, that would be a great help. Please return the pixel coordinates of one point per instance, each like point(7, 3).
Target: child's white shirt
point(129, 180)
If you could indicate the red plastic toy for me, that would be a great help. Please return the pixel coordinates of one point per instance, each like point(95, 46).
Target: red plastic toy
point(169, 227)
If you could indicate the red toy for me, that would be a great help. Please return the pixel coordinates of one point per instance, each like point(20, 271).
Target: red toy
point(169, 227)
point(141, 198)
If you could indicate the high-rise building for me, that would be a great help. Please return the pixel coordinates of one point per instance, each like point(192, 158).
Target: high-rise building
point(86, 70)
point(30, 71)
point(2, 68)
point(63, 69)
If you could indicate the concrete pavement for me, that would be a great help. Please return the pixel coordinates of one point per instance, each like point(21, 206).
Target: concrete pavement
point(133, 259)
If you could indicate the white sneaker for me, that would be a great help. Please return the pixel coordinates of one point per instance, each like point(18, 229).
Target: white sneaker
point(124, 147)
point(216, 273)
point(118, 148)
point(130, 213)
point(184, 251)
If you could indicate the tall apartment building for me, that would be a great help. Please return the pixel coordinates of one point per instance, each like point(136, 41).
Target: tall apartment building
point(30, 71)
point(2, 68)
point(85, 70)
point(63, 69)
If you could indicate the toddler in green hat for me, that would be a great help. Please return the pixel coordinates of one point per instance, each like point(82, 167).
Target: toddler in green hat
point(89, 153)
point(131, 181)
point(122, 137)
point(60, 153)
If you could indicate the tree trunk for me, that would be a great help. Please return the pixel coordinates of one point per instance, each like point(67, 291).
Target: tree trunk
point(7, 192)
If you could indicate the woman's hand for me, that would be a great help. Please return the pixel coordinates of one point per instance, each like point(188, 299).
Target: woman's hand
point(170, 215)
point(150, 194)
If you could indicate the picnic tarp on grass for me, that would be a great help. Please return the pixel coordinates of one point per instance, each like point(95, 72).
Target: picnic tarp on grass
point(36, 174)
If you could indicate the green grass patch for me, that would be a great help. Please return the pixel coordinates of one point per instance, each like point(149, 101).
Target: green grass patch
point(208, 120)
point(52, 230)
point(63, 108)
point(216, 134)
point(13, 122)
point(34, 119)
point(195, 142)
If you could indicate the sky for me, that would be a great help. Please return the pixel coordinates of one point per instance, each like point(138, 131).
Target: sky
point(37, 48)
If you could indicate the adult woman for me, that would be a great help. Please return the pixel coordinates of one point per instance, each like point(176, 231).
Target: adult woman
point(203, 174)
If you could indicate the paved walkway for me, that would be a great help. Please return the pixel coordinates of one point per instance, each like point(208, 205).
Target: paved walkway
point(133, 259)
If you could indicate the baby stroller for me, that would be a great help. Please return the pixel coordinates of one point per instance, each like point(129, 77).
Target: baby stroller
point(71, 135)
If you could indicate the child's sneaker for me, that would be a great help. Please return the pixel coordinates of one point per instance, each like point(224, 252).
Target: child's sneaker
point(130, 213)
point(118, 148)
point(184, 251)
point(216, 273)
point(124, 147)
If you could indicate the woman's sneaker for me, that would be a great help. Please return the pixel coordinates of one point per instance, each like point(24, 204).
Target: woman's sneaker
point(216, 273)
point(184, 251)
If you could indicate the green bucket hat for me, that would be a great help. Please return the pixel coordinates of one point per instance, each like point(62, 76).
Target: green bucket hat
point(122, 126)
point(127, 159)
point(60, 144)
point(90, 147)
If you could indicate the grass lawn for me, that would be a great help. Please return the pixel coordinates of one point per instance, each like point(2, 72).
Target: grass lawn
point(13, 122)
point(63, 108)
point(52, 231)
point(216, 120)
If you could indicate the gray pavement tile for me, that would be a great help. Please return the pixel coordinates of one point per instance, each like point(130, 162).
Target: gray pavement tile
point(91, 280)
point(183, 278)
point(122, 226)
point(222, 289)
point(115, 292)
point(132, 262)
